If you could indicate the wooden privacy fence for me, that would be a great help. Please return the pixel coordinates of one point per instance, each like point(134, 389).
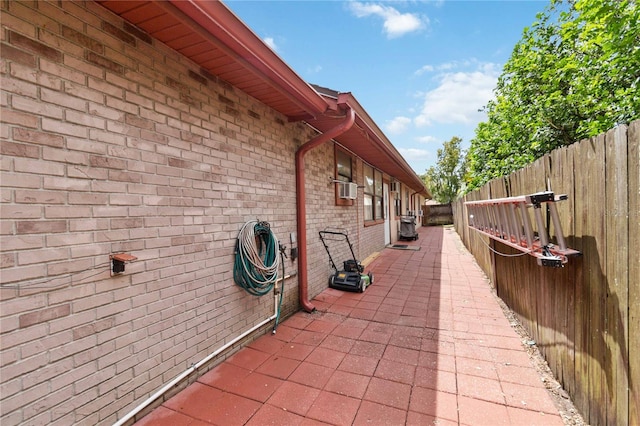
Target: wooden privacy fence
point(584, 317)
point(437, 214)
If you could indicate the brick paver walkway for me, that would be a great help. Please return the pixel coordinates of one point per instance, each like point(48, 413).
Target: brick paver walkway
point(426, 344)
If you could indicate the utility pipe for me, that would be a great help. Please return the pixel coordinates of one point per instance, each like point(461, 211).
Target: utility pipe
point(413, 203)
point(301, 207)
point(195, 367)
point(187, 372)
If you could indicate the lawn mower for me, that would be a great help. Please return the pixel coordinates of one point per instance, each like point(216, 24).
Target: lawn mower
point(351, 277)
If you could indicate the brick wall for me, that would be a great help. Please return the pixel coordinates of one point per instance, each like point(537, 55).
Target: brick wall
point(326, 214)
point(113, 143)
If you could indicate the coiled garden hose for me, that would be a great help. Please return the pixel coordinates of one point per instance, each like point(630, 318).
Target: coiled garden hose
point(256, 262)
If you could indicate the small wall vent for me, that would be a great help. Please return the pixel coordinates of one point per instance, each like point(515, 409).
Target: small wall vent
point(348, 190)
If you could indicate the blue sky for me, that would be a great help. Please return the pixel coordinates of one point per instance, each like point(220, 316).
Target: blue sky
point(421, 69)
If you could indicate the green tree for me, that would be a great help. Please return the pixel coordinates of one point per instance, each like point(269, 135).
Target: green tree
point(574, 74)
point(444, 180)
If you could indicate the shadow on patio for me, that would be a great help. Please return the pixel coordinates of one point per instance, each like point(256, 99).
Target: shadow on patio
point(427, 343)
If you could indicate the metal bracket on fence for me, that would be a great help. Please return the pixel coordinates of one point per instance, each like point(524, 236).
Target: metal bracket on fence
point(508, 221)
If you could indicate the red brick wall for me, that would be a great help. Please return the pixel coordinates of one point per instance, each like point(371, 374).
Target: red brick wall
point(112, 143)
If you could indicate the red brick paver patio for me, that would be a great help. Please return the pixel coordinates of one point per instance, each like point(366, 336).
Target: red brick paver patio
point(426, 344)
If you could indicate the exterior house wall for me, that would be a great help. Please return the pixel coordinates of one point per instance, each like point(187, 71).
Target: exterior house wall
point(326, 214)
point(112, 142)
point(406, 204)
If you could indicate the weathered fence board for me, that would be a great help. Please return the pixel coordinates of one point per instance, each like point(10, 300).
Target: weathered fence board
point(594, 227)
point(561, 166)
point(633, 136)
point(617, 274)
point(584, 317)
point(437, 214)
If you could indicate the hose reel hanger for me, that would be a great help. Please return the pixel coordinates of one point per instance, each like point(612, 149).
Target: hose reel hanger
point(258, 256)
point(257, 261)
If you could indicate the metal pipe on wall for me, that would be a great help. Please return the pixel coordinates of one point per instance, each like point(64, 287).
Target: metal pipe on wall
point(130, 415)
point(301, 208)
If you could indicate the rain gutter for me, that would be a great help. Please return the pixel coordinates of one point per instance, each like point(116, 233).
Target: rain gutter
point(394, 163)
point(232, 36)
point(377, 138)
point(301, 208)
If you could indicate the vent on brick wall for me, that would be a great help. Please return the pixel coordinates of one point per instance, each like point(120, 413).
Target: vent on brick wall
point(348, 190)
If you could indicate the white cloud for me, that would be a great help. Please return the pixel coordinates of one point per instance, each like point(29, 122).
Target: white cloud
point(395, 24)
point(415, 154)
point(397, 125)
point(424, 69)
point(445, 66)
point(269, 41)
point(458, 96)
point(427, 139)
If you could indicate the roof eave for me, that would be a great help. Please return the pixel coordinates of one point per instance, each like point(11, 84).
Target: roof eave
point(374, 135)
point(249, 49)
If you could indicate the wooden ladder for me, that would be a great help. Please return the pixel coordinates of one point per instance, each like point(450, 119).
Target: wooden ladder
point(508, 221)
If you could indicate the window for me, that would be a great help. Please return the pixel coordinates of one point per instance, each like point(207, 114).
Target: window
point(344, 173)
point(406, 201)
point(343, 166)
point(373, 202)
point(378, 194)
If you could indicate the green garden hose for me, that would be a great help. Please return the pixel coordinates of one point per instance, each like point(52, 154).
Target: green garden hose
point(257, 260)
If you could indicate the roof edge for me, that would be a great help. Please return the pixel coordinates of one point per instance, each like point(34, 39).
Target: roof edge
point(376, 136)
point(217, 19)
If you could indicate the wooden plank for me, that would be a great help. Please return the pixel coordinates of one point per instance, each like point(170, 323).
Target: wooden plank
point(548, 280)
point(560, 175)
point(548, 276)
point(482, 242)
point(497, 190)
point(533, 177)
point(517, 288)
point(582, 151)
point(617, 277)
point(594, 255)
point(525, 274)
point(567, 218)
point(521, 288)
point(633, 140)
point(528, 273)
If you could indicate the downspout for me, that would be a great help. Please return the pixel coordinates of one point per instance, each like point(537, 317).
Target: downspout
point(413, 203)
point(301, 207)
point(413, 206)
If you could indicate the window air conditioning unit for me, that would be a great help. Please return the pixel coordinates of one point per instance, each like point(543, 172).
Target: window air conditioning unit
point(394, 186)
point(348, 190)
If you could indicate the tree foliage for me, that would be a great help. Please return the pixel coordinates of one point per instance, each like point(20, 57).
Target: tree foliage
point(574, 74)
point(444, 180)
